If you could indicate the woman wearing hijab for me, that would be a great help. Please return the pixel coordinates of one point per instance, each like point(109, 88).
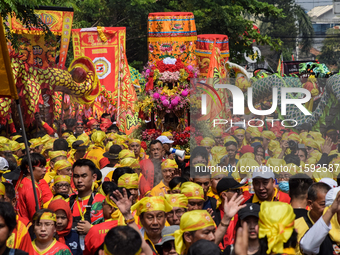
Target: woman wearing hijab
point(64, 226)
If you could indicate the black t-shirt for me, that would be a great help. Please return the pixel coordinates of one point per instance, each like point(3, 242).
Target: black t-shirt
point(17, 252)
point(300, 212)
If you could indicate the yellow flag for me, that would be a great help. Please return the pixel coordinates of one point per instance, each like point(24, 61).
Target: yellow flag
point(7, 88)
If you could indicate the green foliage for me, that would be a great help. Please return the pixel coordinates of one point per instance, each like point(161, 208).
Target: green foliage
point(330, 52)
point(24, 11)
point(292, 24)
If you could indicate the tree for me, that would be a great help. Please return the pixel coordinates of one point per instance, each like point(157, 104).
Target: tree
point(294, 26)
point(24, 11)
point(330, 51)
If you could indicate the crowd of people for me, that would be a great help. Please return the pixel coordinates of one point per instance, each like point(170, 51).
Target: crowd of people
point(245, 191)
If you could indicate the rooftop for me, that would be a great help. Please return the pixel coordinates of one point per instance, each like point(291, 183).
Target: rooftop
point(319, 10)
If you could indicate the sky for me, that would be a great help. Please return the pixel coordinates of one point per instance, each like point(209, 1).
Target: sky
point(310, 4)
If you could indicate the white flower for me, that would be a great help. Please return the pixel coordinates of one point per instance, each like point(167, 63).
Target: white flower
point(169, 61)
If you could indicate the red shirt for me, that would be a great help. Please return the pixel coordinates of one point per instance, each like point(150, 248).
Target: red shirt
point(95, 237)
point(20, 238)
point(26, 201)
point(45, 190)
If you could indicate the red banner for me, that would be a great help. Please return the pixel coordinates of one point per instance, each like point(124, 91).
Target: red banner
point(33, 46)
point(102, 46)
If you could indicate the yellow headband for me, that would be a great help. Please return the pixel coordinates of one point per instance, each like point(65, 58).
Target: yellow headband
point(61, 164)
point(149, 204)
point(239, 131)
point(135, 141)
point(62, 178)
point(178, 187)
point(191, 221)
point(46, 138)
point(207, 141)
point(294, 137)
point(192, 190)
point(110, 202)
point(217, 132)
point(71, 139)
point(331, 130)
point(128, 181)
point(311, 143)
point(2, 189)
point(126, 154)
point(177, 200)
point(169, 163)
point(130, 162)
point(276, 221)
point(48, 216)
point(55, 154)
point(84, 137)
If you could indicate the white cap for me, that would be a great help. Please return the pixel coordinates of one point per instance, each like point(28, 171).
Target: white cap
point(330, 182)
point(3, 164)
point(163, 139)
point(263, 172)
point(331, 195)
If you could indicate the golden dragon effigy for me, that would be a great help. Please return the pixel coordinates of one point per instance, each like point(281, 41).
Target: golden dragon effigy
point(80, 82)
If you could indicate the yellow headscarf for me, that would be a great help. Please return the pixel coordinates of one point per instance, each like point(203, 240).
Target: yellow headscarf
point(276, 221)
point(166, 134)
point(116, 215)
point(274, 162)
point(303, 135)
point(217, 132)
point(2, 189)
point(192, 190)
point(128, 181)
point(322, 173)
point(61, 164)
point(217, 152)
point(245, 166)
point(108, 146)
point(14, 146)
point(4, 147)
point(62, 178)
point(169, 163)
point(48, 216)
point(191, 221)
point(126, 154)
point(255, 133)
point(129, 162)
point(239, 131)
point(4, 139)
point(268, 134)
point(84, 137)
point(207, 141)
point(149, 204)
point(311, 143)
point(48, 145)
point(177, 200)
point(228, 139)
point(273, 145)
point(71, 139)
point(98, 138)
point(55, 154)
point(35, 142)
point(16, 137)
point(295, 137)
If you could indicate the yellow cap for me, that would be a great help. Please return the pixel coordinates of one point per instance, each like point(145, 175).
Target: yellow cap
point(192, 190)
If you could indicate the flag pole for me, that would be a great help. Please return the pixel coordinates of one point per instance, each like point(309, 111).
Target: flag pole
point(14, 95)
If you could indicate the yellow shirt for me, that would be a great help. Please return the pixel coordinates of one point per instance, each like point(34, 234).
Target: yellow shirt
point(257, 200)
point(160, 190)
point(96, 154)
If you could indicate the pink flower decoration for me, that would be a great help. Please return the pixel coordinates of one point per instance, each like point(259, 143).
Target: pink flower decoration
point(155, 95)
point(165, 103)
point(163, 98)
point(174, 102)
point(185, 93)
